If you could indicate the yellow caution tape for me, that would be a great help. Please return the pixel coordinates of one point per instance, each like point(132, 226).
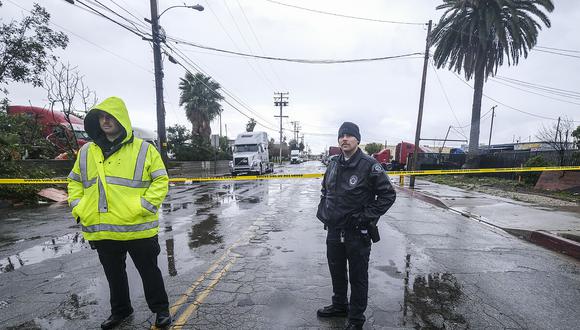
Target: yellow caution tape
point(487, 170)
point(319, 175)
point(32, 181)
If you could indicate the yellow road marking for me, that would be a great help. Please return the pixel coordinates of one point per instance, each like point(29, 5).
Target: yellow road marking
point(200, 279)
point(202, 296)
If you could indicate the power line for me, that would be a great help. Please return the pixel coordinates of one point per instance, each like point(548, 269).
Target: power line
point(554, 90)
point(264, 79)
point(505, 105)
point(295, 60)
point(128, 28)
point(446, 97)
point(467, 125)
point(527, 91)
point(556, 53)
point(346, 16)
point(225, 90)
point(130, 13)
point(133, 23)
point(309, 61)
point(214, 91)
point(247, 44)
point(259, 43)
point(98, 13)
point(560, 49)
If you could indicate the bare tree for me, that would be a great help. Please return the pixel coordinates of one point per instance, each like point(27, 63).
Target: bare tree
point(558, 136)
point(65, 87)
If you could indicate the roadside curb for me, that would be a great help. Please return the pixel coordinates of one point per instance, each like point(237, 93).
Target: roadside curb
point(426, 198)
point(539, 237)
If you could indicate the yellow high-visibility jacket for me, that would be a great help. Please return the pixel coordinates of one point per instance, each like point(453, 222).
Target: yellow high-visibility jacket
point(117, 197)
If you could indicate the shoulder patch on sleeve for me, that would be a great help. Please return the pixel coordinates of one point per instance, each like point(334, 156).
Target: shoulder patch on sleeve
point(377, 168)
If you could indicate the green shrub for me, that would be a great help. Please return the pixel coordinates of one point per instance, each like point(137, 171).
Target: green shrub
point(532, 177)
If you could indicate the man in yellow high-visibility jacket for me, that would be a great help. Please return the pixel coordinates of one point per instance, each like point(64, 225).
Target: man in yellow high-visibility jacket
point(115, 189)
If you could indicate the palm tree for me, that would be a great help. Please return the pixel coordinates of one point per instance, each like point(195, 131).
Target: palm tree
point(200, 95)
point(475, 35)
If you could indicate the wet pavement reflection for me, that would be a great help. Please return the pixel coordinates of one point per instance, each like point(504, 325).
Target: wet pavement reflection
point(205, 232)
point(54, 248)
point(431, 301)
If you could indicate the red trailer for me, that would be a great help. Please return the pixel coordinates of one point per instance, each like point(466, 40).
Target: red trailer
point(332, 151)
point(383, 157)
point(54, 125)
point(402, 153)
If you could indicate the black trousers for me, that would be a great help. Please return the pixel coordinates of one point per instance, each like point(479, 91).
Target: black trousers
point(143, 252)
point(355, 251)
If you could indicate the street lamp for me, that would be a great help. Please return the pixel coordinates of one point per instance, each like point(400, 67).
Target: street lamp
point(196, 7)
point(157, 40)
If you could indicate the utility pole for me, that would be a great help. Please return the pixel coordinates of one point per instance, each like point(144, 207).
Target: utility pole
point(158, 82)
point(296, 129)
point(421, 101)
point(220, 124)
point(557, 129)
point(491, 127)
point(281, 100)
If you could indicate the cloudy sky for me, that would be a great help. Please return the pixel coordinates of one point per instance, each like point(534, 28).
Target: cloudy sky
point(382, 97)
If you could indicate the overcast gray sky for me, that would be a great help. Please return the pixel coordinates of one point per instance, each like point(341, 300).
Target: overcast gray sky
point(382, 97)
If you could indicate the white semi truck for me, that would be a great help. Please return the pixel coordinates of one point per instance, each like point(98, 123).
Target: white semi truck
point(251, 154)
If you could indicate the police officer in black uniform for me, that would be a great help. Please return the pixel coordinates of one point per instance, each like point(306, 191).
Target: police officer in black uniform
point(356, 192)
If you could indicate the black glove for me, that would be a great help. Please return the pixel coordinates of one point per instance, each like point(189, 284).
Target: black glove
point(373, 231)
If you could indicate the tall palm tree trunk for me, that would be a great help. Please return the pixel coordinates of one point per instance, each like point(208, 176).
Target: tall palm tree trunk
point(473, 155)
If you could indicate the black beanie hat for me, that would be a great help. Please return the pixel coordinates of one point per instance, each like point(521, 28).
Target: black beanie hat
point(349, 128)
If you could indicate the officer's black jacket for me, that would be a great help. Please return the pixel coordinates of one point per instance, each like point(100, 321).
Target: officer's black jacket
point(354, 192)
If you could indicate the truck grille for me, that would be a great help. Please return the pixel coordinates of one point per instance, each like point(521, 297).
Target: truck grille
point(241, 161)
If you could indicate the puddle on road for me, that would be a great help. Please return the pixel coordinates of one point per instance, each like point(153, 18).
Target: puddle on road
point(205, 232)
point(431, 301)
point(54, 248)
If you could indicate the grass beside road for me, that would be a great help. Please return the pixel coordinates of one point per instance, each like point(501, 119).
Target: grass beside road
point(508, 188)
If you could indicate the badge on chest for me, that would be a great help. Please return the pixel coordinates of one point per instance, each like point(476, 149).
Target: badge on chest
point(353, 180)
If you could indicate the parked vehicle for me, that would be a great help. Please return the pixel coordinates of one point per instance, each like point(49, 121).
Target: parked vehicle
point(55, 127)
point(402, 152)
point(295, 156)
point(332, 152)
point(383, 157)
point(250, 154)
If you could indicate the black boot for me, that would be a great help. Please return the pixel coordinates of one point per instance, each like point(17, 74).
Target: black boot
point(162, 319)
point(114, 320)
point(331, 311)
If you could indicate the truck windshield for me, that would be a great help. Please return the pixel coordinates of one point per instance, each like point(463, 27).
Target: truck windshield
point(246, 148)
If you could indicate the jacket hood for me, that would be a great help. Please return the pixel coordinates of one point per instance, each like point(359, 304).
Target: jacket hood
point(115, 107)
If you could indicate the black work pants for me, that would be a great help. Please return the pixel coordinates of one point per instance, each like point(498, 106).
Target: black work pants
point(355, 251)
point(143, 252)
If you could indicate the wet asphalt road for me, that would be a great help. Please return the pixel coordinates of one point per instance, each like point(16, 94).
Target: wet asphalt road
point(251, 255)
